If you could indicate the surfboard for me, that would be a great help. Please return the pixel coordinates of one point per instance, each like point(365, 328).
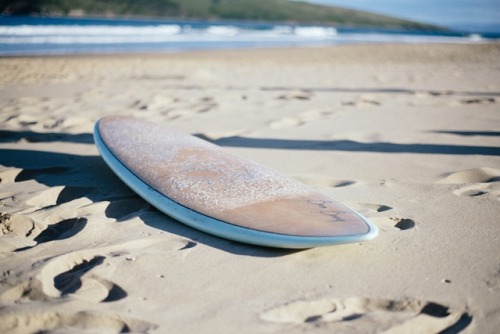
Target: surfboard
point(210, 189)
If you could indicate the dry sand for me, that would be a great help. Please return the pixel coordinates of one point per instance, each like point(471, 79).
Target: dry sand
point(409, 135)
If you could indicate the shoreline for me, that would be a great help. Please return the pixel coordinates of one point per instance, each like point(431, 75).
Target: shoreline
point(162, 52)
point(407, 135)
point(52, 37)
point(252, 49)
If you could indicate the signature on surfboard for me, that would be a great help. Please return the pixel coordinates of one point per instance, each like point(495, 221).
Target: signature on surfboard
point(335, 215)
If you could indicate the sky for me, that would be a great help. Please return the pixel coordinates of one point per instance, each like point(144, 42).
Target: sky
point(475, 15)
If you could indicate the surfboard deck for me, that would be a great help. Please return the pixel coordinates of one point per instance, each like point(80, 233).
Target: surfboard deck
point(204, 186)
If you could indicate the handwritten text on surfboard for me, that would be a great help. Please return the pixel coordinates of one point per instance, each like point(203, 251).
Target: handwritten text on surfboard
point(336, 216)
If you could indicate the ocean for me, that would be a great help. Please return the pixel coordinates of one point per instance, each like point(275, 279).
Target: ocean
point(65, 36)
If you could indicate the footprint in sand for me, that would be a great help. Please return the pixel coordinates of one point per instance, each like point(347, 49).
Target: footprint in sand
point(64, 229)
point(373, 207)
point(53, 122)
point(402, 224)
point(178, 113)
point(370, 315)
point(474, 190)
point(92, 288)
point(12, 224)
point(25, 119)
point(176, 110)
point(479, 100)
point(205, 104)
point(81, 274)
point(14, 229)
point(71, 275)
point(156, 103)
point(62, 322)
point(477, 182)
point(70, 281)
point(75, 281)
point(322, 181)
point(297, 95)
point(476, 175)
point(362, 103)
point(31, 290)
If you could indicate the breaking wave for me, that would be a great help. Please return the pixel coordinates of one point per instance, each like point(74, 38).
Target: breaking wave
point(99, 34)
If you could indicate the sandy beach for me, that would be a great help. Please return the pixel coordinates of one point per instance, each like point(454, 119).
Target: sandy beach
point(408, 135)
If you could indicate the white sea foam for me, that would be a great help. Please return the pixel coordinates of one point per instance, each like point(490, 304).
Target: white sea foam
point(80, 30)
point(92, 34)
point(315, 32)
point(222, 30)
point(283, 30)
point(107, 34)
point(475, 37)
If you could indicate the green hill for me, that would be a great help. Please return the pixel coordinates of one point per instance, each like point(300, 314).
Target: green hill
point(255, 10)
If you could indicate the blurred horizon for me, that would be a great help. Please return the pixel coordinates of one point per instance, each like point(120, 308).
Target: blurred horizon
point(72, 27)
point(70, 35)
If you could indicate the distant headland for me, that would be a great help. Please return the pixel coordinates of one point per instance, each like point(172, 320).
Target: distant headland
point(250, 10)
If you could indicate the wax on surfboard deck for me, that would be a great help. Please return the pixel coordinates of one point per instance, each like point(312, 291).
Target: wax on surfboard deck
point(210, 189)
